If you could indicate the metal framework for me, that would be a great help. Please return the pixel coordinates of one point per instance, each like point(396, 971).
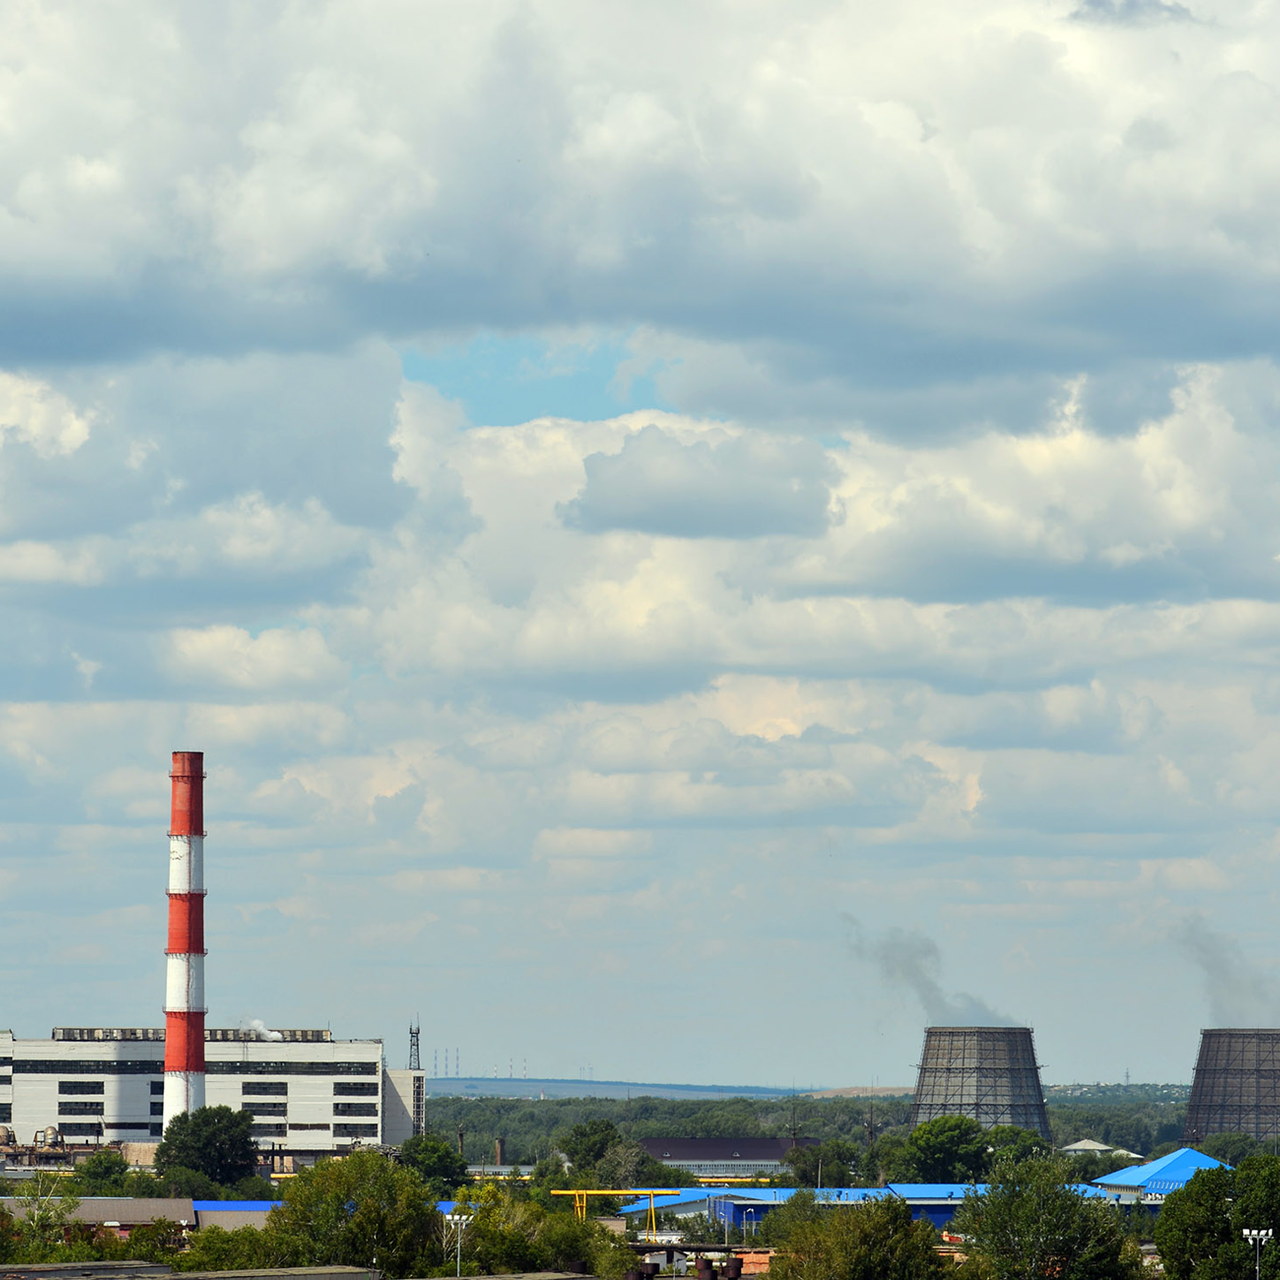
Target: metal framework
point(987, 1073)
point(651, 1223)
point(1236, 1086)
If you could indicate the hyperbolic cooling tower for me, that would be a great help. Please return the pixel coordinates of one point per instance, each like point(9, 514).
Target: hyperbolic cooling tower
point(1236, 1087)
point(184, 966)
point(987, 1073)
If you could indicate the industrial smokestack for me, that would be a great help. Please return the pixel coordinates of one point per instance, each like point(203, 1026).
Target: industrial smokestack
point(184, 977)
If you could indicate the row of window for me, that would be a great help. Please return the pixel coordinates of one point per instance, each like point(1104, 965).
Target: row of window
point(279, 1088)
point(6, 1082)
point(339, 1108)
point(94, 1129)
point(339, 1130)
point(96, 1088)
point(151, 1067)
point(97, 1108)
point(6, 1112)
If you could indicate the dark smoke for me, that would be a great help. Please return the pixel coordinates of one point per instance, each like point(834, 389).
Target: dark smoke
point(909, 959)
point(1239, 993)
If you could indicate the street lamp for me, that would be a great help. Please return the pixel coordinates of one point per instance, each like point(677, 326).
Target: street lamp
point(459, 1222)
point(748, 1213)
point(1259, 1236)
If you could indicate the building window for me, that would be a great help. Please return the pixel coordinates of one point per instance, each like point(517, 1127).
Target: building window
point(96, 1087)
point(6, 1112)
point(89, 1067)
point(269, 1130)
point(80, 1108)
point(157, 1131)
point(6, 1082)
point(130, 1125)
point(355, 1130)
point(354, 1089)
point(265, 1108)
point(264, 1088)
point(355, 1108)
point(308, 1126)
point(238, 1067)
point(157, 1108)
point(157, 1086)
point(80, 1130)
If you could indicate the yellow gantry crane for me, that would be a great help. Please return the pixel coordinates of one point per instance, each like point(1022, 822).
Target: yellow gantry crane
point(650, 1226)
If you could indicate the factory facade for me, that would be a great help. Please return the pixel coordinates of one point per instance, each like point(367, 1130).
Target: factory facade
point(309, 1093)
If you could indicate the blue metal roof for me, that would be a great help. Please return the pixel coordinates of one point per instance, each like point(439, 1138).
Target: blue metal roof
point(232, 1206)
point(1159, 1177)
point(933, 1190)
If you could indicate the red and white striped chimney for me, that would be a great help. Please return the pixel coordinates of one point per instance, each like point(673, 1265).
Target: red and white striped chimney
point(184, 979)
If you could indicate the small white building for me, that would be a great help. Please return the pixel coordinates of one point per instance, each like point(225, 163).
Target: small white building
point(309, 1093)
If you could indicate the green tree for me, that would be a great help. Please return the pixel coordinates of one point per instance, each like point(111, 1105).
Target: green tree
point(586, 1143)
point(8, 1235)
point(1011, 1142)
point(245, 1249)
point(215, 1141)
point(436, 1162)
point(45, 1212)
point(876, 1240)
point(628, 1164)
point(362, 1211)
point(833, 1163)
point(948, 1149)
point(105, 1173)
point(1029, 1224)
point(1198, 1231)
point(1230, 1148)
point(157, 1241)
point(1194, 1228)
point(186, 1183)
point(780, 1224)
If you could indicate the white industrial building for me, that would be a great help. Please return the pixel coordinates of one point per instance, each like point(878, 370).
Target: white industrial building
point(309, 1093)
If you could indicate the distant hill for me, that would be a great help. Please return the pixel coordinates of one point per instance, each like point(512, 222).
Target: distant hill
point(506, 1087)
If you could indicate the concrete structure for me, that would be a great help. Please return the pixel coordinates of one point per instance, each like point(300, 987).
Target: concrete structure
point(987, 1073)
point(184, 967)
point(309, 1093)
point(1236, 1086)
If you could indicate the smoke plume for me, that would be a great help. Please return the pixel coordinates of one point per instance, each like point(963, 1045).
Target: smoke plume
point(1239, 993)
point(910, 960)
point(260, 1029)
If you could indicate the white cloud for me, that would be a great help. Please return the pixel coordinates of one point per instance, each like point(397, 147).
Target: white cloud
point(33, 413)
point(231, 656)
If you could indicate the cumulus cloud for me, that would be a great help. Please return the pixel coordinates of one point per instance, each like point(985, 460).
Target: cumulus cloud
point(733, 488)
point(950, 562)
point(33, 413)
point(231, 656)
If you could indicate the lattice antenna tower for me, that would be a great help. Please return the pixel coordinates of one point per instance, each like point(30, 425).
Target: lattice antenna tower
point(415, 1052)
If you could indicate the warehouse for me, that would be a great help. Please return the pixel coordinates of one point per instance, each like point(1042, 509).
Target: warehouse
point(308, 1092)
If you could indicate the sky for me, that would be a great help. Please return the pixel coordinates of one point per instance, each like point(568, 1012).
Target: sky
point(697, 539)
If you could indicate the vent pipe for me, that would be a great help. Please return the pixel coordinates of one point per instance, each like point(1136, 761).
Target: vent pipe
point(184, 966)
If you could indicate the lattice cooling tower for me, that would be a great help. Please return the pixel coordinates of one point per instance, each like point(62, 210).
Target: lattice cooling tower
point(1236, 1087)
point(988, 1073)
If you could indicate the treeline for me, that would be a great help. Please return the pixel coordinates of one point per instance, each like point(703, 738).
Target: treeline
point(365, 1210)
point(532, 1129)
